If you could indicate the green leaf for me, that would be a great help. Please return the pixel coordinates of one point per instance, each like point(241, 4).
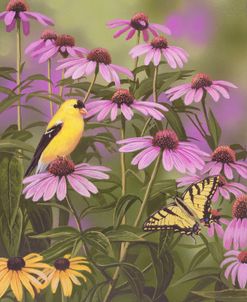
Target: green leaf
point(6, 144)
point(6, 73)
point(123, 236)
point(236, 295)
point(99, 241)
point(164, 269)
point(11, 173)
point(11, 238)
point(135, 279)
point(59, 249)
point(43, 95)
point(8, 102)
point(94, 292)
point(36, 124)
point(60, 232)
point(199, 257)
point(175, 122)
point(122, 206)
point(197, 274)
point(214, 129)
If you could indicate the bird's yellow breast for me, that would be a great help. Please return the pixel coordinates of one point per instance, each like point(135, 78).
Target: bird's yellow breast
point(65, 141)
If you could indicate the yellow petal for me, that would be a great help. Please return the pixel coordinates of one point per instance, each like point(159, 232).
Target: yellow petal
point(67, 256)
point(5, 282)
point(35, 283)
point(32, 255)
point(77, 274)
point(3, 273)
point(80, 267)
point(54, 282)
point(78, 259)
point(16, 286)
point(35, 272)
point(38, 265)
point(66, 284)
point(3, 259)
point(26, 283)
point(73, 277)
point(34, 259)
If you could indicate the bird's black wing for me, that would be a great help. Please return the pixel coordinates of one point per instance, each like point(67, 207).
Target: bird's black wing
point(45, 140)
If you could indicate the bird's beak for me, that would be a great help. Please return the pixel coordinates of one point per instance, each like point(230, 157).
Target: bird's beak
point(83, 111)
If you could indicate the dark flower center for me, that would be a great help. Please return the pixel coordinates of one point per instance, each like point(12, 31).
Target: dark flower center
point(15, 263)
point(159, 42)
point(224, 154)
point(17, 6)
point(122, 96)
point(63, 41)
point(166, 139)
point(48, 35)
point(61, 167)
point(139, 21)
point(201, 80)
point(62, 264)
point(222, 181)
point(239, 207)
point(99, 55)
point(242, 257)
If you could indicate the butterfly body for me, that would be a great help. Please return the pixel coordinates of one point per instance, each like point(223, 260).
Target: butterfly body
point(187, 213)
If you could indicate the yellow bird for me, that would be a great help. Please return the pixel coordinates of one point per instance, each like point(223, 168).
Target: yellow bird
point(62, 135)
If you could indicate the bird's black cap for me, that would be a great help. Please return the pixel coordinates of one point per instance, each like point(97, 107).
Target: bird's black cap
point(79, 104)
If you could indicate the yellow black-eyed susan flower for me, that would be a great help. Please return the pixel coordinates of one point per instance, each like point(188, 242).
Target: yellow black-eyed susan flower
point(66, 272)
point(16, 272)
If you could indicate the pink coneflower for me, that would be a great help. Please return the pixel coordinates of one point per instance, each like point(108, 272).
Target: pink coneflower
point(237, 267)
point(47, 38)
point(122, 99)
point(64, 45)
point(184, 156)
point(158, 47)
point(236, 232)
point(223, 159)
point(215, 226)
point(225, 188)
point(98, 58)
point(55, 181)
point(18, 10)
point(200, 84)
point(138, 23)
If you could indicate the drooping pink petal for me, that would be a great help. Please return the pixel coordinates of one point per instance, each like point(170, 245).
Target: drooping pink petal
point(115, 77)
point(136, 139)
point(123, 70)
point(11, 27)
point(170, 59)
point(9, 17)
point(227, 260)
point(51, 189)
point(139, 50)
point(211, 230)
point(157, 57)
point(145, 35)
point(161, 28)
point(225, 83)
point(41, 188)
point(149, 57)
point(135, 146)
point(127, 112)
point(214, 94)
point(240, 169)
point(177, 88)
point(62, 189)
point(229, 234)
point(167, 160)
point(140, 155)
point(76, 71)
point(198, 95)
point(35, 177)
point(224, 193)
point(189, 97)
point(86, 183)
point(33, 46)
point(105, 111)
point(148, 158)
point(104, 71)
point(178, 161)
point(114, 112)
point(222, 90)
point(216, 169)
point(130, 34)
point(42, 19)
point(176, 57)
point(49, 54)
point(117, 23)
point(243, 234)
point(234, 273)
point(181, 52)
point(121, 31)
point(78, 186)
point(242, 275)
point(229, 269)
point(219, 230)
point(180, 93)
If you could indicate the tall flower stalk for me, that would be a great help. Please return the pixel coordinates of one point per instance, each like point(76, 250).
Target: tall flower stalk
point(18, 73)
point(61, 87)
point(124, 251)
point(50, 85)
point(90, 87)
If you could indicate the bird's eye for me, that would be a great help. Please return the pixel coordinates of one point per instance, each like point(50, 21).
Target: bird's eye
point(79, 105)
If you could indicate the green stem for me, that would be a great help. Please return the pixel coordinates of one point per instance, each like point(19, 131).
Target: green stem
point(204, 107)
point(90, 88)
point(50, 86)
point(137, 59)
point(72, 209)
point(122, 159)
point(18, 75)
point(136, 223)
point(155, 98)
point(61, 87)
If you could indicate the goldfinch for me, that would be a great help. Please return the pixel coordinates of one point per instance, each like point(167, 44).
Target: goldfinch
point(62, 135)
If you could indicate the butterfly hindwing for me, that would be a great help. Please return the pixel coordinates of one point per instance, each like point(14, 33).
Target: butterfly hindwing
point(198, 197)
point(171, 218)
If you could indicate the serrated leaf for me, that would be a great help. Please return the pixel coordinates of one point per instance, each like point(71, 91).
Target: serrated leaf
point(122, 206)
point(11, 173)
point(236, 295)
